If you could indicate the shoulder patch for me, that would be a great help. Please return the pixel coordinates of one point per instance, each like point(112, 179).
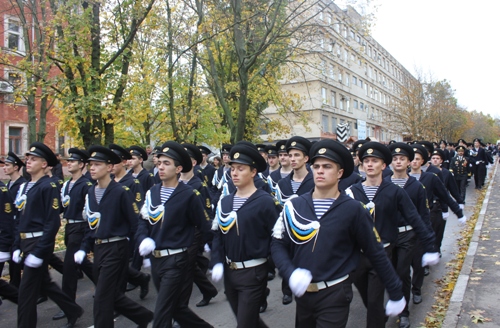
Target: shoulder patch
point(138, 197)
point(89, 183)
point(126, 188)
point(8, 208)
point(137, 181)
point(55, 204)
point(151, 174)
point(4, 189)
point(375, 232)
point(53, 185)
point(196, 192)
point(136, 209)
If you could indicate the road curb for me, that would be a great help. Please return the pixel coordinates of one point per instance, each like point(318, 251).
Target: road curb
point(457, 297)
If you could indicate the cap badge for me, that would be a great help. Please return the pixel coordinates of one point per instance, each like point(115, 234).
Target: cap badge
point(369, 151)
point(359, 146)
point(270, 151)
point(415, 149)
point(322, 151)
point(236, 155)
point(131, 151)
point(397, 150)
point(435, 152)
point(93, 154)
point(282, 147)
point(32, 148)
point(165, 149)
point(293, 144)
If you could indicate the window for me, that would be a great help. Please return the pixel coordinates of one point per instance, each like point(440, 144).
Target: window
point(336, 26)
point(329, 19)
point(332, 72)
point(340, 77)
point(369, 51)
point(334, 124)
point(358, 38)
point(322, 43)
point(355, 104)
point(320, 13)
point(354, 80)
point(15, 137)
point(14, 37)
point(346, 55)
point(347, 105)
point(341, 103)
point(333, 98)
point(351, 34)
point(362, 106)
point(323, 95)
point(330, 45)
point(361, 83)
point(347, 77)
point(324, 123)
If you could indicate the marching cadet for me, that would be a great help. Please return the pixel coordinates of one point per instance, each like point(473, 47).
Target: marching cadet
point(154, 170)
point(436, 193)
point(459, 168)
point(285, 167)
point(170, 214)
point(137, 171)
point(73, 200)
point(7, 228)
point(263, 152)
point(403, 252)
point(443, 146)
point(243, 224)
point(198, 263)
point(479, 162)
point(272, 158)
point(298, 182)
point(12, 167)
point(135, 277)
point(207, 170)
point(111, 213)
point(317, 241)
point(355, 176)
point(427, 167)
point(386, 202)
point(38, 205)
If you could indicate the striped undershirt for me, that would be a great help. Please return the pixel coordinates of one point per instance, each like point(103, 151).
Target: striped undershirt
point(71, 184)
point(165, 193)
point(295, 186)
point(415, 175)
point(28, 187)
point(370, 191)
point(424, 168)
point(238, 202)
point(284, 174)
point(322, 205)
point(98, 194)
point(400, 182)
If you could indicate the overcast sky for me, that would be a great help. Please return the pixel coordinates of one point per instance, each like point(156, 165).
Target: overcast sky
point(456, 40)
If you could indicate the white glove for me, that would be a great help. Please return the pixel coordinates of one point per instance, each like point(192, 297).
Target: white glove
point(477, 162)
point(16, 256)
point(393, 308)
point(146, 263)
point(462, 206)
point(79, 256)
point(4, 256)
point(462, 220)
point(446, 215)
point(299, 281)
point(206, 248)
point(430, 259)
point(147, 246)
point(32, 261)
point(217, 272)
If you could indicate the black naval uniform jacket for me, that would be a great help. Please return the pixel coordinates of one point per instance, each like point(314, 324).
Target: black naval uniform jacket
point(285, 191)
point(345, 183)
point(458, 169)
point(197, 184)
point(416, 192)
point(184, 210)
point(6, 219)
point(118, 214)
point(146, 179)
point(435, 190)
point(40, 213)
point(345, 229)
point(389, 200)
point(272, 180)
point(250, 237)
point(74, 206)
point(450, 184)
point(156, 176)
point(14, 188)
point(135, 188)
point(207, 174)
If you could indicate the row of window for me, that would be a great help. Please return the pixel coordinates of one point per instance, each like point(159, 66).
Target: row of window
point(344, 103)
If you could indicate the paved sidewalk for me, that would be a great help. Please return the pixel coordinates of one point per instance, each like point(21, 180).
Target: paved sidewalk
point(475, 301)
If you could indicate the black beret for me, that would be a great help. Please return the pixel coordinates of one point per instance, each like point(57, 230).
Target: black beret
point(419, 149)
point(246, 153)
point(375, 149)
point(14, 160)
point(478, 140)
point(299, 143)
point(442, 141)
point(120, 151)
point(138, 151)
point(261, 148)
point(462, 148)
point(335, 151)
point(427, 145)
point(281, 145)
point(401, 148)
point(358, 143)
point(462, 141)
point(39, 149)
point(225, 149)
point(194, 152)
point(156, 150)
point(103, 154)
point(439, 153)
point(271, 150)
point(392, 141)
point(205, 150)
point(76, 154)
point(177, 152)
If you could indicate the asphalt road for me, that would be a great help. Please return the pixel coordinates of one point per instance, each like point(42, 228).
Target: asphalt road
point(219, 314)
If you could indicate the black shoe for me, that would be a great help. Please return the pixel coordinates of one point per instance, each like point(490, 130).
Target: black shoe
point(417, 299)
point(79, 274)
point(404, 322)
point(130, 287)
point(41, 299)
point(426, 271)
point(72, 321)
point(287, 299)
point(145, 286)
point(270, 276)
point(263, 307)
point(60, 315)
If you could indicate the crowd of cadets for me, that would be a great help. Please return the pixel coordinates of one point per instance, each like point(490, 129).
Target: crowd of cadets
point(325, 216)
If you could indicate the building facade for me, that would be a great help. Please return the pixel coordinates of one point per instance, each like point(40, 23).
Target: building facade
point(349, 79)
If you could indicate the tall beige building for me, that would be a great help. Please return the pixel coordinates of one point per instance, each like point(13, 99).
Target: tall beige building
point(346, 77)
